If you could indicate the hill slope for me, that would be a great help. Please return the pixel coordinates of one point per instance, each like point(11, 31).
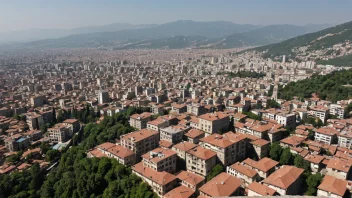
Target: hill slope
point(310, 45)
point(334, 86)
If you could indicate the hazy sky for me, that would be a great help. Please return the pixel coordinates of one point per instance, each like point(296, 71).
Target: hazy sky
point(25, 14)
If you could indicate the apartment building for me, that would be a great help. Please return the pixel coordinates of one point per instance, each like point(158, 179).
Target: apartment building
point(37, 101)
point(223, 185)
point(157, 124)
point(320, 112)
point(315, 162)
point(339, 168)
point(139, 121)
point(17, 142)
point(141, 141)
point(160, 159)
point(34, 120)
point(285, 181)
point(196, 109)
point(288, 120)
point(338, 110)
point(182, 147)
point(190, 180)
point(200, 160)
point(173, 133)
point(326, 135)
point(73, 124)
point(256, 189)
point(160, 182)
point(244, 173)
point(59, 133)
point(332, 187)
point(344, 139)
point(292, 141)
point(229, 147)
point(194, 135)
point(179, 108)
point(264, 166)
point(261, 148)
point(217, 122)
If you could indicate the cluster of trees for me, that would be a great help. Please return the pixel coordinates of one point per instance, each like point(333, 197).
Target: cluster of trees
point(216, 170)
point(77, 175)
point(316, 122)
point(272, 104)
point(334, 86)
point(252, 115)
point(285, 157)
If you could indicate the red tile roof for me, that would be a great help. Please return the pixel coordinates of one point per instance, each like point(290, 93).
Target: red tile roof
point(284, 177)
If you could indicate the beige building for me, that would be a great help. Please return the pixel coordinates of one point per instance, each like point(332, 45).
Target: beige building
point(59, 133)
point(223, 185)
point(139, 121)
point(190, 180)
point(217, 122)
point(200, 160)
point(173, 133)
point(244, 173)
point(286, 180)
point(332, 187)
point(141, 141)
point(182, 147)
point(320, 112)
point(229, 147)
point(261, 148)
point(264, 166)
point(157, 124)
point(256, 189)
point(160, 182)
point(34, 120)
point(194, 135)
point(160, 159)
point(339, 168)
point(196, 109)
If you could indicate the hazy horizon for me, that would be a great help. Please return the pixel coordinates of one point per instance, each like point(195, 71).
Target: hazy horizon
point(40, 14)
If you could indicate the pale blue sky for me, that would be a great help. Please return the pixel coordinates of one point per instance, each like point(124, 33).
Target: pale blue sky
point(25, 14)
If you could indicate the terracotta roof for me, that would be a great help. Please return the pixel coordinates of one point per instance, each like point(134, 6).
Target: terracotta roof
point(221, 185)
point(120, 151)
point(139, 135)
point(264, 164)
point(97, 153)
point(284, 177)
point(202, 153)
point(260, 142)
point(185, 146)
point(70, 121)
point(245, 170)
point(315, 159)
point(161, 178)
point(214, 116)
point(293, 140)
point(261, 189)
point(144, 115)
point(160, 154)
point(333, 185)
point(327, 131)
point(224, 140)
point(339, 164)
point(105, 146)
point(165, 144)
point(190, 178)
point(194, 133)
point(180, 192)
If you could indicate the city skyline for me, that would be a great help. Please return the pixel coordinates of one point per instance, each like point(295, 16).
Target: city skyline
point(72, 14)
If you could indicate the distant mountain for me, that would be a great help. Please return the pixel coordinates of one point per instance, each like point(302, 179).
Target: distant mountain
point(266, 35)
point(187, 28)
point(320, 42)
point(40, 34)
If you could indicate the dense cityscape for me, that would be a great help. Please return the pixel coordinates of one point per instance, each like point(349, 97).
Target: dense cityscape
point(126, 120)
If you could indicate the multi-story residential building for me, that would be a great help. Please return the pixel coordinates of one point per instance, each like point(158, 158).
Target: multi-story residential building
point(200, 160)
point(73, 124)
point(173, 133)
point(33, 135)
point(157, 109)
point(256, 189)
point(17, 142)
point(194, 135)
point(196, 109)
point(338, 110)
point(121, 154)
point(344, 139)
point(315, 162)
point(59, 133)
point(179, 108)
point(229, 147)
point(264, 166)
point(292, 141)
point(244, 173)
point(217, 122)
point(160, 159)
point(286, 180)
point(160, 182)
point(103, 97)
point(332, 187)
point(34, 120)
point(261, 148)
point(190, 180)
point(320, 112)
point(182, 147)
point(37, 101)
point(288, 120)
point(339, 168)
point(141, 141)
point(223, 185)
point(139, 121)
point(326, 135)
point(157, 124)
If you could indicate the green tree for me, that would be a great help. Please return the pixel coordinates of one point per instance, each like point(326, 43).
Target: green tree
point(216, 170)
point(275, 151)
point(286, 157)
point(299, 162)
point(313, 181)
point(60, 117)
point(51, 155)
